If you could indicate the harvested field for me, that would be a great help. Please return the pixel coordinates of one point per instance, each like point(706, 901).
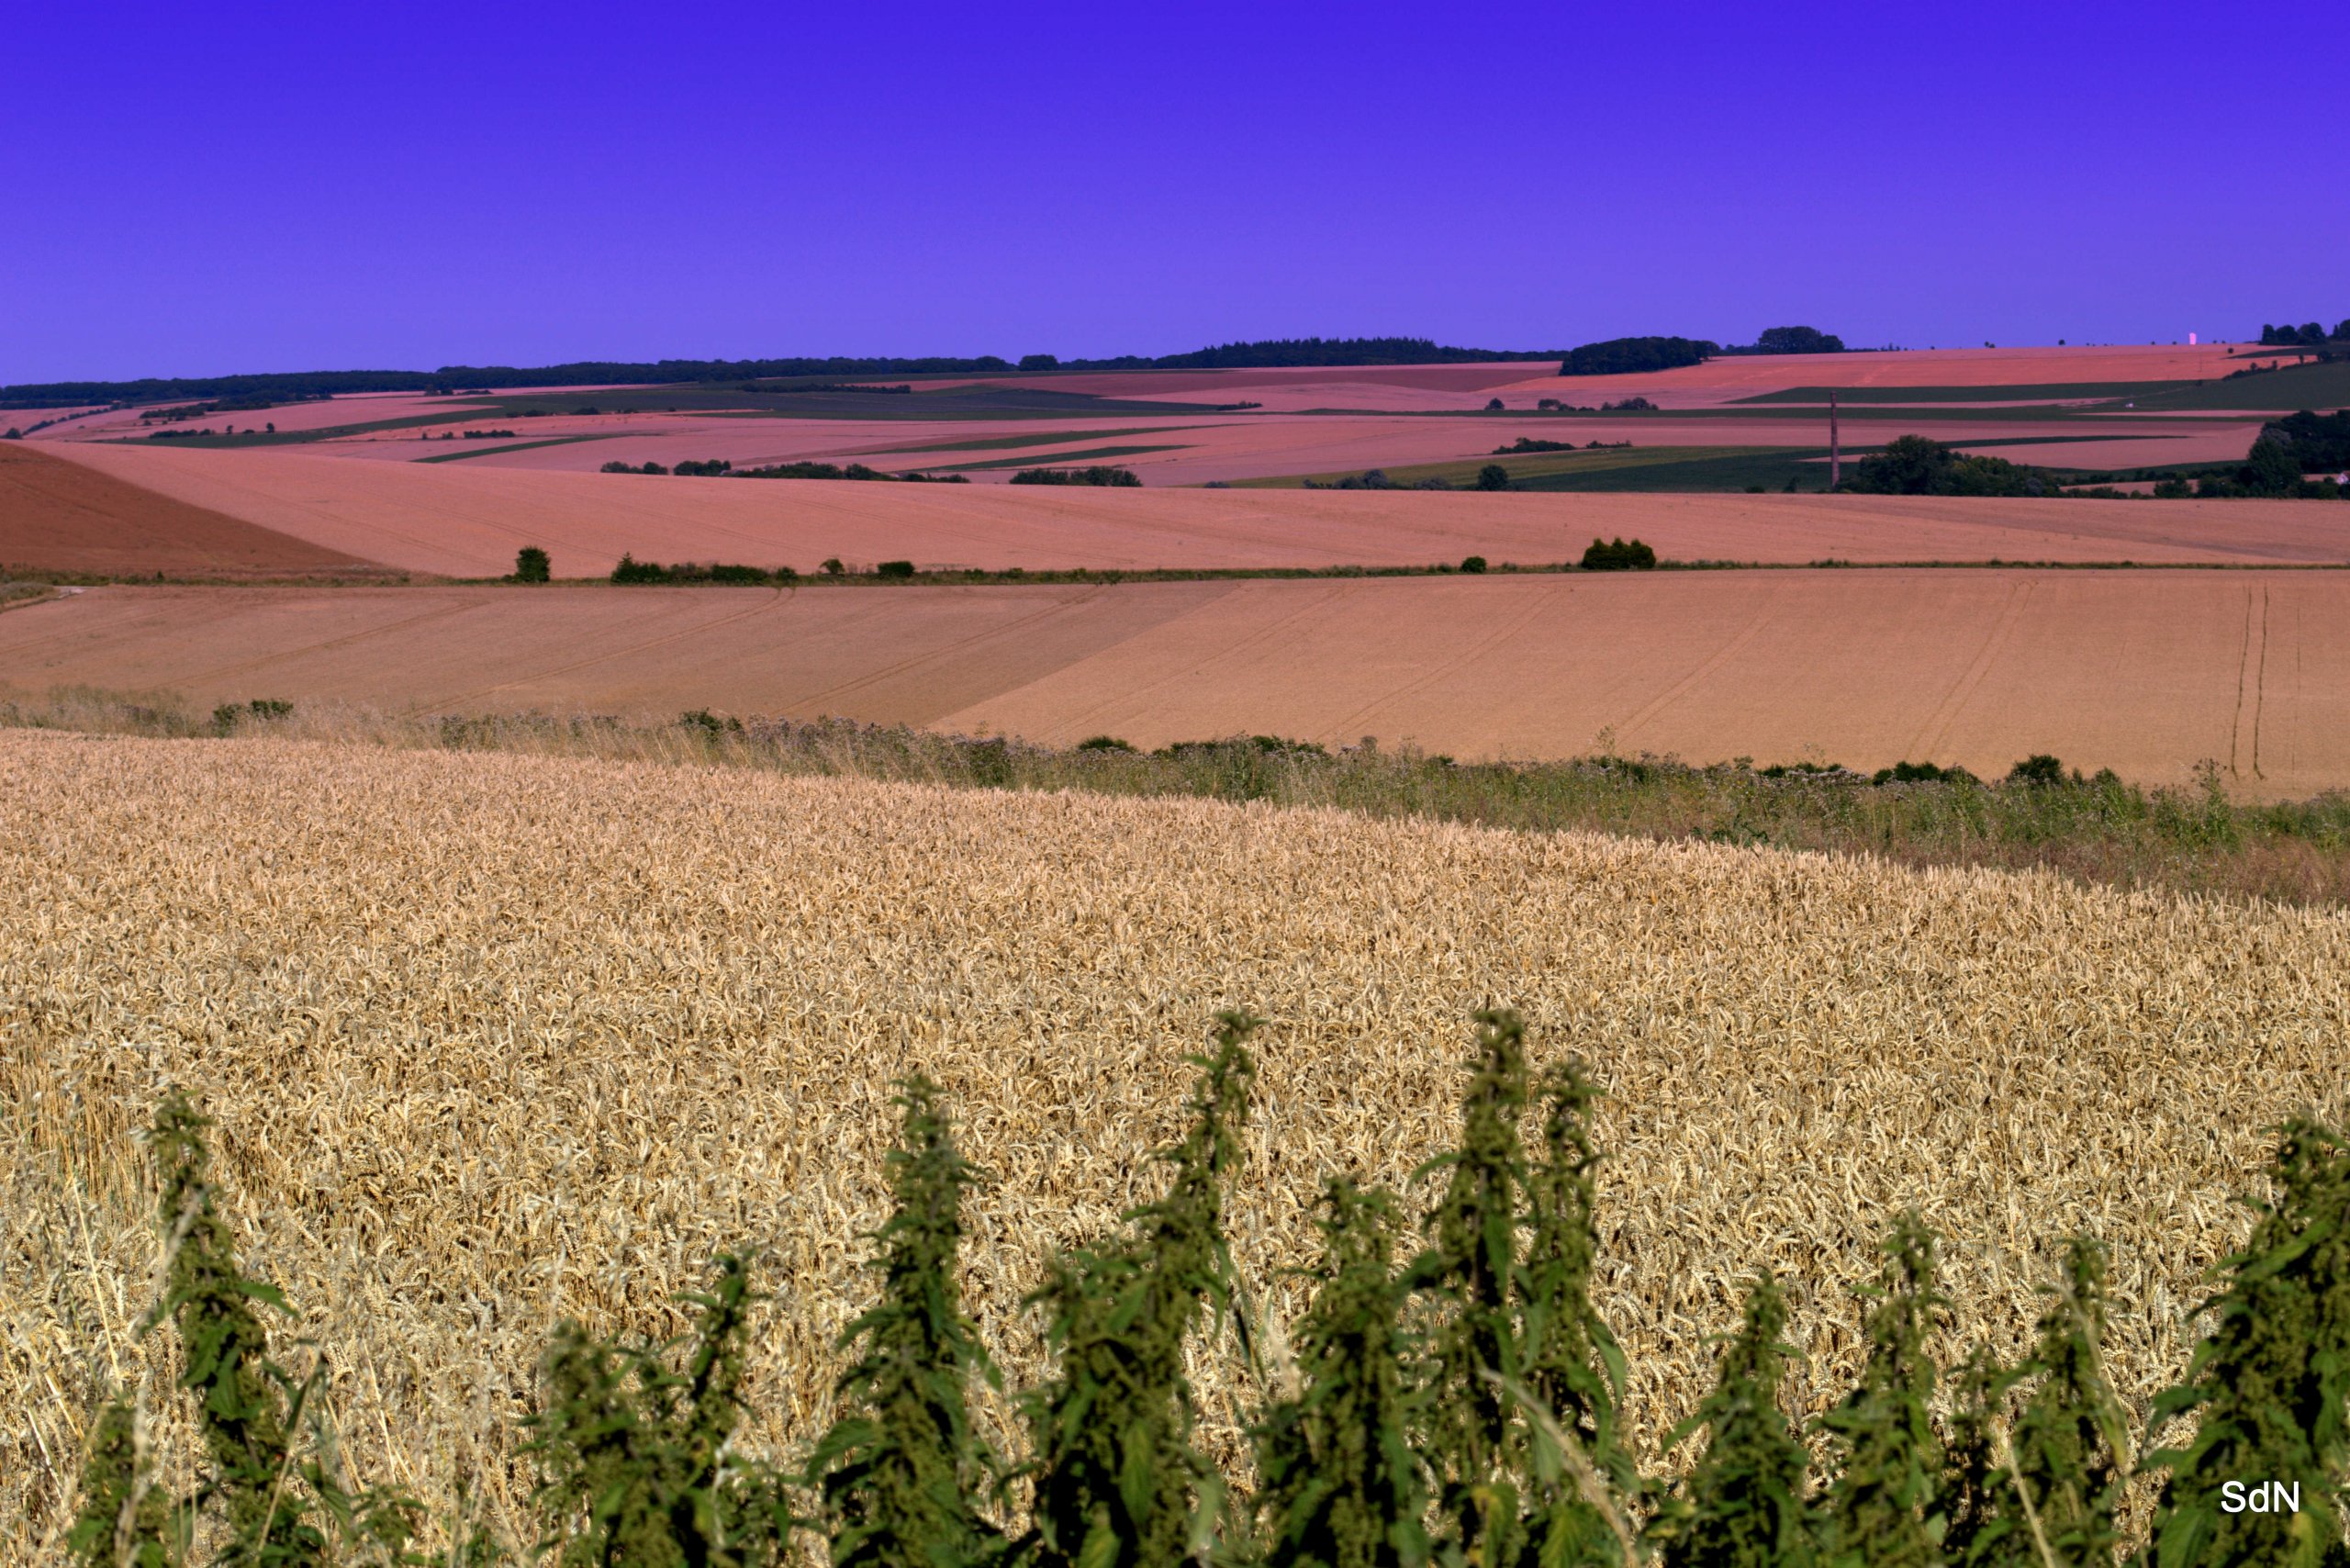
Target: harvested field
point(1743, 375)
point(495, 1039)
point(2146, 673)
point(468, 518)
point(68, 518)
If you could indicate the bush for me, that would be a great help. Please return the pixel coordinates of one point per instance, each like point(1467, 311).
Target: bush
point(530, 565)
point(1493, 405)
point(1492, 477)
point(1472, 564)
point(2039, 770)
point(1616, 555)
point(631, 570)
point(833, 567)
point(1104, 742)
point(261, 710)
point(648, 467)
point(896, 570)
point(1039, 362)
point(702, 468)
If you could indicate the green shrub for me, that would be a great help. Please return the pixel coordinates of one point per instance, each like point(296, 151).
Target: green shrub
point(228, 716)
point(631, 570)
point(1104, 742)
point(2039, 771)
point(1097, 475)
point(1492, 477)
point(1472, 564)
point(702, 468)
point(530, 565)
point(1883, 1507)
point(899, 570)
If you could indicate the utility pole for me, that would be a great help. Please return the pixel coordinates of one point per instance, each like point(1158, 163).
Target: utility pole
point(1835, 448)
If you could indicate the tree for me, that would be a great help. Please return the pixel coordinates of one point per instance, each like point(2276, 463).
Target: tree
point(2272, 470)
point(1797, 340)
point(1618, 356)
point(1039, 362)
point(1493, 405)
point(1492, 477)
point(530, 565)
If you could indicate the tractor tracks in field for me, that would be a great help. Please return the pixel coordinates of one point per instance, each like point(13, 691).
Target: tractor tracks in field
point(2251, 687)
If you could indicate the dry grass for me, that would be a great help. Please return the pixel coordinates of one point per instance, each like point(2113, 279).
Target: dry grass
point(494, 1037)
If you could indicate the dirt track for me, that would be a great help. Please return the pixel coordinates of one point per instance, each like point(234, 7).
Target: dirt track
point(2143, 672)
point(70, 518)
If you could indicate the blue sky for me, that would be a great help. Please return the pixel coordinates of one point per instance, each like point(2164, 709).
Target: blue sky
point(226, 188)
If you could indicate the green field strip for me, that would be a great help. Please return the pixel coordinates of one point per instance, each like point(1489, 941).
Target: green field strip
point(2019, 393)
point(1037, 437)
point(1059, 459)
point(519, 446)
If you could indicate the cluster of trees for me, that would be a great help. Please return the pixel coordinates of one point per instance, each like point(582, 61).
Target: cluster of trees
point(1617, 556)
point(718, 467)
point(1100, 474)
point(1618, 356)
point(1295, 353)
point(1452, 1394)
point(2308, 333)
point(1624, 356)
point(1530, 443)
point(1918, 465)
point(1377, 479)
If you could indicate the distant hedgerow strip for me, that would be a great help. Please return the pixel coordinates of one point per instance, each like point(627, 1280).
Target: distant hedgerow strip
point(1463, 1406)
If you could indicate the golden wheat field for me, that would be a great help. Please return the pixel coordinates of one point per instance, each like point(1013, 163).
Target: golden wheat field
point(493, 1039)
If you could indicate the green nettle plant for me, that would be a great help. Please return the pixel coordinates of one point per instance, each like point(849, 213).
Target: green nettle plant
point(1461, 1411)
point(902, 1471)
point(269, 1495)
point(2071, 1442)
point(1466, 1275)
point(1884, 1507)
point(1340, 1484)
point(1574, 1369)
point(1118, 1481)
point(1744, 1505)
point(633, 1453)
point(2269, 1384)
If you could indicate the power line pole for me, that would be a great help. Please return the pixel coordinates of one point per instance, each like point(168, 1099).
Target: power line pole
point(1835, 447)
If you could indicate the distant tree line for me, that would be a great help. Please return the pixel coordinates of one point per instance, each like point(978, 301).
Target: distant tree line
point(1918, 465)
point(1101, 474)
point(2308, 333)
point(1261, 353)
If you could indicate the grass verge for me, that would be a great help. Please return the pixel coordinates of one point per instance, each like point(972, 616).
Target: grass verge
point(2098, 831)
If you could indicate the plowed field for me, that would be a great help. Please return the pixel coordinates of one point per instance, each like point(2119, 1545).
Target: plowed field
point(69, 518)
point(2148, 673)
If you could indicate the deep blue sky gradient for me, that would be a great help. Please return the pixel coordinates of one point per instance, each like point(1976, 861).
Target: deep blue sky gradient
point(208, 188)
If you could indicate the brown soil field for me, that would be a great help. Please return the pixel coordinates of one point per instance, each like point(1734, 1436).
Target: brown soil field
point(69, 518)
point(2148, 673)
point(468, 519)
